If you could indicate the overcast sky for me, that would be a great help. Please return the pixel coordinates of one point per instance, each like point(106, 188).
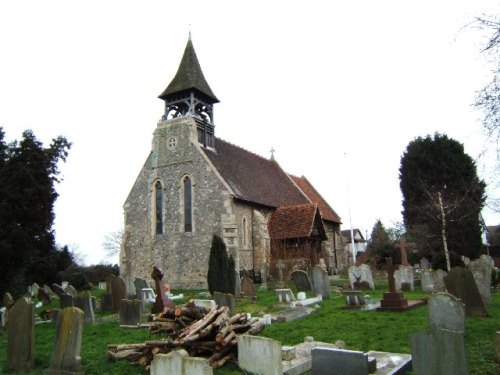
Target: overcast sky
point(338, 89)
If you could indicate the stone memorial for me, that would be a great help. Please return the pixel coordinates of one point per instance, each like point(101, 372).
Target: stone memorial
point(84, 302)
point(446, 312)
point(130, 312)
point(70, 289)
point(162, 300)
point(460, 282)
point(285, 295)
point(178, 362)
point(140, 284)
point(340, 362)
point(118, 292)
point(259, 355)
point(425, 264)
point(247, 287)
point(66, 300)
point(50, 292)
point(66, 355)
point(57, 289)
point(404, 275)
point(148, 297)
point(302, 281)
point(481, 270)
point(360, 277)
point(225, 299)
point(34, 290)
point(21, 336)
point(280, 266)
point(43, 296)
point(321, 283)
point(8, 301)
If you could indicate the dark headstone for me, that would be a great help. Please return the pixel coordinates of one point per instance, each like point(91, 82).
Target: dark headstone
point(8, 301)
point(66, 355)
point(247, 287)
point(43, 296)
point(84, 302)
point(118, 291)
point(109, 282)
point(162, 299)
point(107, 302)
point(321, 284)
point(139, 284)
point(21, 336)
point(66, 300)
point(460, 282)
point(339, 362)
point(58, 290)
point(224, 299)
point(130, 312)
point(302, 281)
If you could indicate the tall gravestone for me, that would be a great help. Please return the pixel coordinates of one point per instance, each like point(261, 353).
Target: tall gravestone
point(118, 292)
point(460, 282)
point(84, 302)
point(66, 355)
point(302, 281)
point(21, 336)
point(481, 270)
point(247, 286)
point(321, 284)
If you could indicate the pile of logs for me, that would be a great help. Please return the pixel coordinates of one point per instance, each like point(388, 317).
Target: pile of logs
point(202, 333)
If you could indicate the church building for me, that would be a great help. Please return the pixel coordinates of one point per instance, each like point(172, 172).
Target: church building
point(195, 185)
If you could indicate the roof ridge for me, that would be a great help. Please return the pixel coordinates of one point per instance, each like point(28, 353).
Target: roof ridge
point(244, 149)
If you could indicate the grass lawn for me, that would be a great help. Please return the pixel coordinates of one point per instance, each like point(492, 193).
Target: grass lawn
point(360, 330)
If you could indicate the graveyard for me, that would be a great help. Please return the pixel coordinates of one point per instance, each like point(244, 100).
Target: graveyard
point(329, 321)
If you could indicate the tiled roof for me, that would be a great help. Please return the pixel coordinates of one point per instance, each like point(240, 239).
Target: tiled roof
point(294, 221)
point(346, 233)
point(189, 77)
point(254, 178)
point(327, 213)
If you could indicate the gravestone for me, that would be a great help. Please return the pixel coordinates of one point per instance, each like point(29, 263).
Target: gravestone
point(50, 292)
point(263, 272)
point(285, 295)
point(34, 290)
point(130, 292)
point(247, 287)
point(259, 355)
point(225, 299)
point(57, 289)
point(84, 302)
point(109, 283)
point(403, 249)
point(66, 300)
point(481, 270)
point(140, 284)
point(8, 301)
point(162, 299)
point(427, 280)
point(118, 292)
point(43, 296)
point(301, 280)
point(321, 284)
point(439, 285)
point(130, 312)
point(66, 355)
point(148, 297)
point(64, 284)
point(446, 312)
point(460, 282)
point(360, 277)
point(438, 352)
point(21, 336)
point(425, 264)
point(280, 266)
point(178, 362)
point(70, 289)
point(404, 275)
point(339, 362)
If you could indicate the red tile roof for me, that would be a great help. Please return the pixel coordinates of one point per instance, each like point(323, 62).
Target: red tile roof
point(294, 222)
point(254, 178)
point(327, 213)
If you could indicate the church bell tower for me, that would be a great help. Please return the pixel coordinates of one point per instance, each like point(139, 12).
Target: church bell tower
point(189, 94)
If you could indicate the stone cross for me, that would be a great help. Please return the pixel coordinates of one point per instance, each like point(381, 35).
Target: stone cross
point(403, 248)
point(162, 299)
point(280, 265)
point(390, 275)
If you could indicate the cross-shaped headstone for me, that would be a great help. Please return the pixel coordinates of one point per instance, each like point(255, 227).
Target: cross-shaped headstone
point(162, 299)
point(390, 275)
point(403, 248)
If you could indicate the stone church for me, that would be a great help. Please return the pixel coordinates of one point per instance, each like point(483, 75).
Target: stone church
point(195, 185)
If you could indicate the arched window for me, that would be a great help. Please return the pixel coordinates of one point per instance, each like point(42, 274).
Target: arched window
point(158, 208)
point(188, 205)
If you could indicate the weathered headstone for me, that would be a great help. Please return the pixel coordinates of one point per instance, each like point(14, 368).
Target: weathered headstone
point(404, 275)
point(285, 295)
point(66, 355)
point(263, 272)
point(321, 284)
point(225, 299)
point(34, 289)
point(21, 336)
point(280, 266)
point(8, 301)
point(148, 297)
point(360, 277)
point(70, 289)
point(446, 312)
point(427, 280)
point(460, 282)
point(118, 291)
point(438, 352)
point(481, 270)
point(339, 362)
point(130, 312)
point(50, 292)
point(247, 287)
point(425, 264)
point(66, 300)
point(302, 281)
point(43, 296)
point(178, 362)
point(84, 302)
point(140, 284)
point(259, 355)
point(109, 283)
point(57, 289)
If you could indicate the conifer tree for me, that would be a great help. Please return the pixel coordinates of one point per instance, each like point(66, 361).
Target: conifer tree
point(221, 275)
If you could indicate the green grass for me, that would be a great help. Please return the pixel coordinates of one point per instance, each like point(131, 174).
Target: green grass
point(360, 330)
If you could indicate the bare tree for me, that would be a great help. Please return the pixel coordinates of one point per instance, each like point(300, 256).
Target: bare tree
point(112, 242)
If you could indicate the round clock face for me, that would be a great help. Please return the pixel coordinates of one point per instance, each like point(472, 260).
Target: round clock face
point(172, 143)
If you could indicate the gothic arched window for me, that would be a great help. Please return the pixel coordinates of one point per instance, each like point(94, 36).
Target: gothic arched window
point(158, 208)
point(188, 204)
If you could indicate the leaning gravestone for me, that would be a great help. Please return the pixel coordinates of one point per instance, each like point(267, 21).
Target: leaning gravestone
point(321, 284)
point(259, 355)
point(57, 289)
point(446, 312)
point(66, 355)
point(301, 280)
point(84, 302)
point(70, 289)
point(461, 284)
point(481, 270)
point(50, 292)
point(404, 276)
point(21, 336)
point(118, 291)
point(361, 277)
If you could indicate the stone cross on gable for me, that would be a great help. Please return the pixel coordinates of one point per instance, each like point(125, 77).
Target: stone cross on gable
point(390, 275)
point(403, 248)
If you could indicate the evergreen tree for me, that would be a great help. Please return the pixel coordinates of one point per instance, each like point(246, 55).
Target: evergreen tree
point(442, 196)
point(221, 275)
point(380, 245)
point(27, 194)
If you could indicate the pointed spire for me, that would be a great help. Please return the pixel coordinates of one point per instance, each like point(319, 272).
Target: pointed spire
point(189, 77)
